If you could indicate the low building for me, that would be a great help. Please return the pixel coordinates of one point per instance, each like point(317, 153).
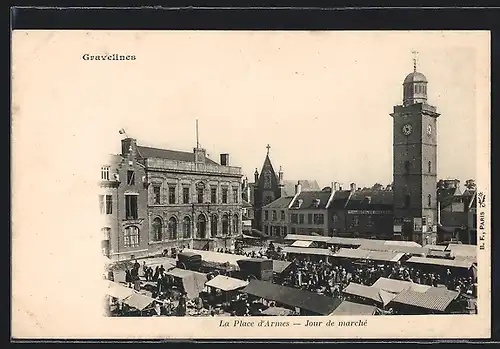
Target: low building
point(275, 218)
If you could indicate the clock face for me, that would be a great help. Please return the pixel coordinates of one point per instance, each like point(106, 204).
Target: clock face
point(407, 129)
point(429, 130)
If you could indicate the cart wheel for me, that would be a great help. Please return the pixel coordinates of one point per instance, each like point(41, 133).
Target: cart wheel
point(182, 266)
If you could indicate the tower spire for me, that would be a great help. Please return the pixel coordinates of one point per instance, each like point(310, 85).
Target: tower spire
point(415, 53)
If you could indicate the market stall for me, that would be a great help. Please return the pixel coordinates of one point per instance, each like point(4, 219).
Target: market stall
point(190, 282)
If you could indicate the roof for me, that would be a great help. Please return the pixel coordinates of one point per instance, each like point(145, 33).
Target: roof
point(454, 263)
point(340, 198)
point(280, 266)
point(369, 292)
point(148, 152)
point(226, 283)
point(436, 247)
point(306, 185)
point(308, 200)
point(315, 238)
point(308, 251)
point(138, 301)
point(397, 286)
point(281, 202)
point(277, 311)
point(182, 273)
point(446, 195)
point(301, 243)
point(116, 290)
point(415, 77)
point(310, 301)
point(462, 250)
point(375, 245)
point(366, 254)
point(245, 204)
point(217, 257)
point(435, 298)
point(438, 254)
point(370, 198)
point(351, 308)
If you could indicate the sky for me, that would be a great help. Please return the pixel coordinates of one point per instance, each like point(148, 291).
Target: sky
point(321, 100)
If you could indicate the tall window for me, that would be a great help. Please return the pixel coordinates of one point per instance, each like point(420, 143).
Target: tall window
point(407, 200)
point(172, 228)
point(131, 206)
point(235, 195)
point(130, 177)
point(309, 218)
point(284, 230)
point(301, 219)
point(186, 227)
point(131, 237)
point(235, 224)
point(335, 218)
point(429, 167)
point(293, 217)
point(185, 195)
point(429, 200)
point(355, 220)
point(102, 204)
point(266, 215)
point(157, 229)
point(109, 204)
point(369, 220)
point(319, 218)
point(200, 195)
point(156, 194)
point(213, 226)
point(225, 225)
point(275, 216)
point(105, 173)
point(171, 195)
point(224, 195)
point(213, 195)
point(407, 167)
point(282, 215)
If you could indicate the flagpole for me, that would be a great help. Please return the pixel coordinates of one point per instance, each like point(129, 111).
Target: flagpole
point(197, 139)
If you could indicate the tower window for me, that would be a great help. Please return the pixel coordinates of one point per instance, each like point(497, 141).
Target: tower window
point(429, 167)
point(407, 200)
point(429, 200)
point(407, 167)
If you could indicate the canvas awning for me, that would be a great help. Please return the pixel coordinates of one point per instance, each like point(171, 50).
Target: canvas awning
point(435, 298)
point(397, 286)
point(295, 237)
point(301, 243)
point(307, 251)
point(226, 283)
point(454, 263)
point(435, 247)
point(192, 282)
point(117, 290)
point(277, 311)
point(293, 297)
point(280, 266)
point(351, 308)
point(357, 253)
point(369, 292)
point(138, 301)
point(218, 258)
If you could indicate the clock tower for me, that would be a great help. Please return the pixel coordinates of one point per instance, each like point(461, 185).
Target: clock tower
point(415, 163)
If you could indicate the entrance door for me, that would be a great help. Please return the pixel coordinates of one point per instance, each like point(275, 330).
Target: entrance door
point(202, 226)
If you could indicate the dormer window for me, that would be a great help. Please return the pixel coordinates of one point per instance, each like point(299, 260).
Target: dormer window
point(299, 203)
point(368, 200)
point(316, 203)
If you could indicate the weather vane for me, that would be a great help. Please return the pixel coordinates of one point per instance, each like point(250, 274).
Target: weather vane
point(415, 54)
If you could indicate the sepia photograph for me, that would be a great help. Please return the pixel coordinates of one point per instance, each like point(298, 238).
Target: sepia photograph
point(325, 179)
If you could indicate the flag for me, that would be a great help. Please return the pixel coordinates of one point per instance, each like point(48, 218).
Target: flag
point(121, 131)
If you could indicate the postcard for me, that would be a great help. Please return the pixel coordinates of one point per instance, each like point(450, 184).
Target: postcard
point(250, 184)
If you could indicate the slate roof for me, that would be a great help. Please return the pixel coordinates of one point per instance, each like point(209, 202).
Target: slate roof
point(308, 198)
point(148, 152)
point(282, 202)
point(370, 198)
point(306, 185)
point(340, 198)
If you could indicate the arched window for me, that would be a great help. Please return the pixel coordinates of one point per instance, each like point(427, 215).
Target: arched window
point(202, 226)
point(186, 227)
point(172, 228)
point(131, 237)
point(429, 200)
point(213, 226)
point(407, 200)
point(429, 167)
point(235, 224)
point(157, 229)
point(225, 225)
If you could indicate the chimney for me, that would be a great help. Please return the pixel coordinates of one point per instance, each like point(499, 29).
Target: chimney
point(256, 176)
point(280, 175)
point(353, 186)
point(336, 186)
point(129, 146)
point(298, 188)
point(224, 159)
